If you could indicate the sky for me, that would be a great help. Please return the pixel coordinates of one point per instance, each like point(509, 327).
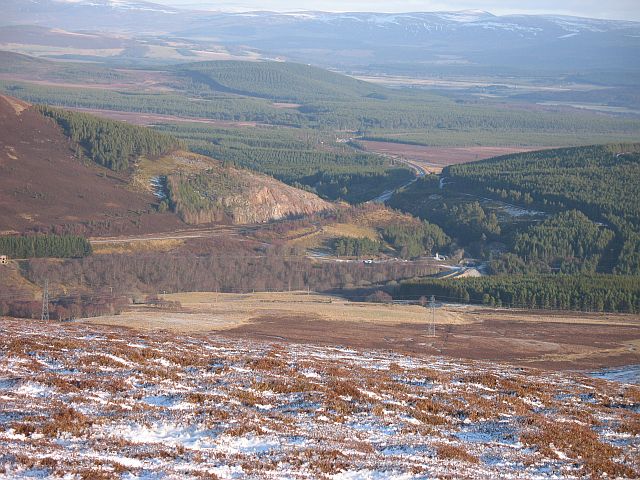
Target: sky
point(614, 9)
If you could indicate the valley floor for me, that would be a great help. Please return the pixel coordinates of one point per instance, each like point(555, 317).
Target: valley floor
point(88, 401)
point(546, 339)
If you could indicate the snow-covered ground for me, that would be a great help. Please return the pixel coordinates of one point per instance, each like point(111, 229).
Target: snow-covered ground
point(82, 401)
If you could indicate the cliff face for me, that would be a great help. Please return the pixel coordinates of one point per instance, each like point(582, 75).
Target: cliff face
point(226, 194)
point(267, 199)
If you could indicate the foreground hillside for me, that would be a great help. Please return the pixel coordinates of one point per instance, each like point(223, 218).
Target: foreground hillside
point(99, 402)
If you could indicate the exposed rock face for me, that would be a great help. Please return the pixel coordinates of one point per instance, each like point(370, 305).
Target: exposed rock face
point(267, 199)
point(226, 194)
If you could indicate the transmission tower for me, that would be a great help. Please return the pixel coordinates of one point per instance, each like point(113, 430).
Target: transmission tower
point(45, 301)
point(431, 330)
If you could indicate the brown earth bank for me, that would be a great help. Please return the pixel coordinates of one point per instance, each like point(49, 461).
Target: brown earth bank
point(434, 159)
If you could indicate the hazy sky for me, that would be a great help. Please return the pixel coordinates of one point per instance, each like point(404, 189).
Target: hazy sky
point(617, 9)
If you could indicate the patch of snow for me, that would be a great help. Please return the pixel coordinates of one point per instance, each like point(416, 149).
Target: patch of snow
point(165, 433)
point(250, 444)
point(32, 389)
point(628, 374)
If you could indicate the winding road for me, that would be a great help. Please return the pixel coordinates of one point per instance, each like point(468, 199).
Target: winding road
point(387, 194)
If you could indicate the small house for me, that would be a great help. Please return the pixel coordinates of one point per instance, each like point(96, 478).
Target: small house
point(4, 260)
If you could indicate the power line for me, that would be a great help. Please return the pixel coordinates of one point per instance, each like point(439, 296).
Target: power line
point(45, 301)
point(432, 326)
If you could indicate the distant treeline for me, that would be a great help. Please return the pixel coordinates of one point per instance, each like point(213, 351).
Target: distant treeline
point(110, 143)
point(229, 271)
point(35, 246)
point(362, 109)
point(597, 293)
point(67, 308)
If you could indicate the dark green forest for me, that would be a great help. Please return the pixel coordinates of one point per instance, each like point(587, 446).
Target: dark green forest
point(355, 247)
point(110, 143)
point(567, 241)
point(411, 241)
point(600, 180)
point(580, 209)
point(38, 246)
point(278, 81)
point(593, 293)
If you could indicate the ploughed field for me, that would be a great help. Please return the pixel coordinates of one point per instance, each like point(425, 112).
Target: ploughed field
point(92, 401)
point(434, 159)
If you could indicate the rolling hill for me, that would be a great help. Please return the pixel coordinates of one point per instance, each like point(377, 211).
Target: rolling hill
point(50, 182)
point(202, 190)
point(44, 187)
point(279, 81)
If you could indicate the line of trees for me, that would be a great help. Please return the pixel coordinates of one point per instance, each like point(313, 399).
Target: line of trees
point(229, 270)
point(57, 246)
point(70, 307)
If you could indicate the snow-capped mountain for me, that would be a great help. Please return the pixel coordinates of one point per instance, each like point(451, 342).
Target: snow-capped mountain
point(397, 42)
point(430, 39)
point(105, 15)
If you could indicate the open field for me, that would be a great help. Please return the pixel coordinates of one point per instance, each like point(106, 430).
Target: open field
point(146, 119)
point(87, 401)
point(462, 83)
point(205, 311)
point(434, 159)
point(564, 340)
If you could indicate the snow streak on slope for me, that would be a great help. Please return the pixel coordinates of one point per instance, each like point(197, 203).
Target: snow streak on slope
point(97, 402)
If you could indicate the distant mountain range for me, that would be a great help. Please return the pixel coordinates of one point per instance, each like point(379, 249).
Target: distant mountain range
point(398, 43)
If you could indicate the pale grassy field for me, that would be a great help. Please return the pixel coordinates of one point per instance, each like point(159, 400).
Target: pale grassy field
point(219, 311)
point(206, 311)
point(153, 245)
point(310, 238)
